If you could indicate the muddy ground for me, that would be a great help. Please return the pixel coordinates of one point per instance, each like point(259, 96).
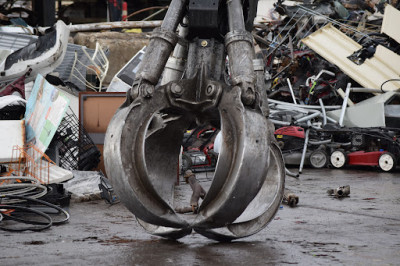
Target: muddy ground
point(362, 229)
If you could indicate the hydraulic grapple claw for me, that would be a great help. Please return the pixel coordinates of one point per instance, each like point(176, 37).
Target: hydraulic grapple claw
point(144, 137)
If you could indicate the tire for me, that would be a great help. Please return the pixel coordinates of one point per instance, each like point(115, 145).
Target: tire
point(338, 159)
point(186, 162)
point(387, 162)
point(318, 159)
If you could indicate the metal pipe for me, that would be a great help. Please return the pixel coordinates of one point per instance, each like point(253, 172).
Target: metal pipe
point(159, 49)
point(323, 111)
point(330, 107)
point(296, 108)
point(176, 63)
point(303, 155)
point(174, 15)
point(308, 117)
point(289, 173)
point(367, 90)
point(320, 142)
point(281, 123)
point(110, 25)
point(331, 119)
point(344, 105)
point(235, 15)
point(239, 46)
point(343, 95)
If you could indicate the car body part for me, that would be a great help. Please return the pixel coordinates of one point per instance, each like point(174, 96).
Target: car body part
point(42, 56)
point(13, 42)
point(143, 139)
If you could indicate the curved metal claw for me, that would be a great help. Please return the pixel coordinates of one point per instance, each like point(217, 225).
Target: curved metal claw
point(144, 137)
point(141, 150)
point(141, 178)
point(167, 232)
point(242, 165)
point(261, 210)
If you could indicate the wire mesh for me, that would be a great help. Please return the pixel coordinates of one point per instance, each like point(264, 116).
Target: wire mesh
point(91, 65)
point(76, 149)
point(29, 161)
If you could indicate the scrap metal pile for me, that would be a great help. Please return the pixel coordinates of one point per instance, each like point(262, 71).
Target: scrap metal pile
point(333, 74)
point(316, 82)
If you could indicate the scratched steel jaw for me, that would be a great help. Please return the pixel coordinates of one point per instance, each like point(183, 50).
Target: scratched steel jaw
point(144, 137)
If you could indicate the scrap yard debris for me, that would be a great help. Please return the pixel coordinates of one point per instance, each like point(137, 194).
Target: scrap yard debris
point(332, 75)
point(333, 67)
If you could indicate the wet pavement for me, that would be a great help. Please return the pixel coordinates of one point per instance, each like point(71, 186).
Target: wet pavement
point(362, 229)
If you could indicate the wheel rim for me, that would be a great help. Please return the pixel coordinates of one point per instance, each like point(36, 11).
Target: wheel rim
point(338, 159)
point(318, 159)
point(386, 162)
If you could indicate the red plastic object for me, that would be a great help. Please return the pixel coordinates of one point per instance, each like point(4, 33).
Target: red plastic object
point(124, 11)
point(290, 131)
point(16, 86)
point(364, 158)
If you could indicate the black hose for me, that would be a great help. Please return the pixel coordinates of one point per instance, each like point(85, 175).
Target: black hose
point(6, 216)
point(387, 82)
point(60, 210)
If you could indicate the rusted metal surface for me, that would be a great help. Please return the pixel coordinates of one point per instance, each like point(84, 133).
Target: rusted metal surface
point(114, 25)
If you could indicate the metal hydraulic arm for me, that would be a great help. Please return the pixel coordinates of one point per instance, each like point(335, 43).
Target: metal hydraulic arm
point(182, 81)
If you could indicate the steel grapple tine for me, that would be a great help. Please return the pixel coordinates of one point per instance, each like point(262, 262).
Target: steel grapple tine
point(125, 163)
point(261, 210)
point(167, 232)
point(242, 166)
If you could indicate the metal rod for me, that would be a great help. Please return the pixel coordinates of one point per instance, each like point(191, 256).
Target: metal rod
point(303, 155)
point(323, 111)
point(112, 25)
point(330, 107)
point(343, 95)
point(320, 142)
point(344, 105)
point(368, 90)
point(291, 91)
point(289, 173)
point(331, 120)
point(308, 117)
point(281, 123)
point(154, 14)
